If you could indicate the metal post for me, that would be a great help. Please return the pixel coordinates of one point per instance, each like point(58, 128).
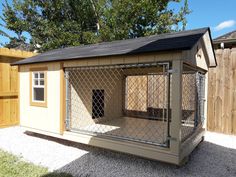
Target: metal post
point(196, 116)
point(200, 98)
point(203, 99)
point(168, 105)
point(67, 101)
point(166, 71)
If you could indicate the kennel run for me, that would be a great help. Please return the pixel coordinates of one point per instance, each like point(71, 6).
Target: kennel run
point(131, 101)
point(138, 96)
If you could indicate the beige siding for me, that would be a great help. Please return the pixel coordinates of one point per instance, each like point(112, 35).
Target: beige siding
point(197, 56)
point(42, 118)
point(163, 56)
point(136, 93)
point(82, 85)
point(200, 57)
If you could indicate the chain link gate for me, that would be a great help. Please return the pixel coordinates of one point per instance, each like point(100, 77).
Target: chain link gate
point(193, 99)
point(129, 101)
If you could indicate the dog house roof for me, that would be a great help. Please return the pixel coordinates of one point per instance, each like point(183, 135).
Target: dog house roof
point(176, 41)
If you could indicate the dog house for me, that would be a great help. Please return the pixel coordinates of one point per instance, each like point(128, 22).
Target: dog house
point(144, 96)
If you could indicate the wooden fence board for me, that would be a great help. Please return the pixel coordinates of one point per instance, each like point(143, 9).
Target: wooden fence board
point(8, 92)
point(9, 103)
point(222, 93)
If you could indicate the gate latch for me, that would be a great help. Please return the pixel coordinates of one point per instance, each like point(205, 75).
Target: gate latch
point(172, 71)
point(171, 138)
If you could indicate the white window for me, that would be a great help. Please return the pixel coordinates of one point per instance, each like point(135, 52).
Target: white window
point(38, 86)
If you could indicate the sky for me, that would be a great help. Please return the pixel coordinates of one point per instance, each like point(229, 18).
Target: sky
point(219, 15)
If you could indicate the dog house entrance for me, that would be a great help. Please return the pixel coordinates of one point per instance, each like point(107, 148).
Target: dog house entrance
point(98, 104)
point(128, 101)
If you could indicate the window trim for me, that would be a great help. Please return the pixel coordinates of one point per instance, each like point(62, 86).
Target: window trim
point(34, 102)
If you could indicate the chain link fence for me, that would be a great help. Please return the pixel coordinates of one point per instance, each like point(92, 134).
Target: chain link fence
point(193, 92)
point(128, 102)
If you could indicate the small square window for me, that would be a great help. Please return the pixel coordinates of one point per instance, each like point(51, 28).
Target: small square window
point(41, 82)
point(41, 75)
point(36, 75)
point(38, 94)
point(36, 82)
point(38, 87)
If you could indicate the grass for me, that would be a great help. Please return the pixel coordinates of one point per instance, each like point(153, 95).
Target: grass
point(13, 166)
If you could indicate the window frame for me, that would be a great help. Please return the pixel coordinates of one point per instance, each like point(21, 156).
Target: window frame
point(32, 86)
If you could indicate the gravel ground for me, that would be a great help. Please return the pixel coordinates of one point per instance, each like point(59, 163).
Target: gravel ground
point(215, 157)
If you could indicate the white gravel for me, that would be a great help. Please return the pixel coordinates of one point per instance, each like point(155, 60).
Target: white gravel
point(39, 151)
point(215, 157)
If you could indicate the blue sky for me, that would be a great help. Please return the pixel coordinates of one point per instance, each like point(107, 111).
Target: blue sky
point(219, 15)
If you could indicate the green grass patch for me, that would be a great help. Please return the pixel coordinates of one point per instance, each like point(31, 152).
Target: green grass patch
point(13, 166)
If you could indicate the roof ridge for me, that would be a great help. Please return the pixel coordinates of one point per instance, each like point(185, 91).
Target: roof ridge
point(131, 39)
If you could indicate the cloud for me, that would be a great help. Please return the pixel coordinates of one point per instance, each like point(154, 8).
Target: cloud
point(225, 24)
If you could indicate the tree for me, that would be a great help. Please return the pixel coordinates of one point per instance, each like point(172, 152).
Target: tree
point(136, 18)
point(15, 24)
point(62, 23)
point(52, 23)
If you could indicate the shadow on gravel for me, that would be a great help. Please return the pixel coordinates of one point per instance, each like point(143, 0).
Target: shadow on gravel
point(55, 174)
point(207, 160)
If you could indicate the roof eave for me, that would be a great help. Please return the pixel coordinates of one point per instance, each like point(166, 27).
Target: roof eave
point(209, 32)
point(226, 41)
point(19, 63)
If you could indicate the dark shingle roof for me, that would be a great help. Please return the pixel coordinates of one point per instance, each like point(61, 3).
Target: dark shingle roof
point(183, 40)
point(230, 35)
point(229, 40)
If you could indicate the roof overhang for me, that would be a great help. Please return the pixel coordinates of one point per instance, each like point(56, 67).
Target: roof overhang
point(171, 42)
point(208, 45)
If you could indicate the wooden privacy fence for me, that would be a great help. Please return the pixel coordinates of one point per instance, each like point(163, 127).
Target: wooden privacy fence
point(9, 114)
point(222, 93)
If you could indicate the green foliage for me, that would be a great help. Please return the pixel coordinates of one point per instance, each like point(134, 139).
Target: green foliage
point(137, 18)
point(12, 166)
point(18, 43)
point(62, 23)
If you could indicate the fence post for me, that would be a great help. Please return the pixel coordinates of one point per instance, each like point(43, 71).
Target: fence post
point(176, 112)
